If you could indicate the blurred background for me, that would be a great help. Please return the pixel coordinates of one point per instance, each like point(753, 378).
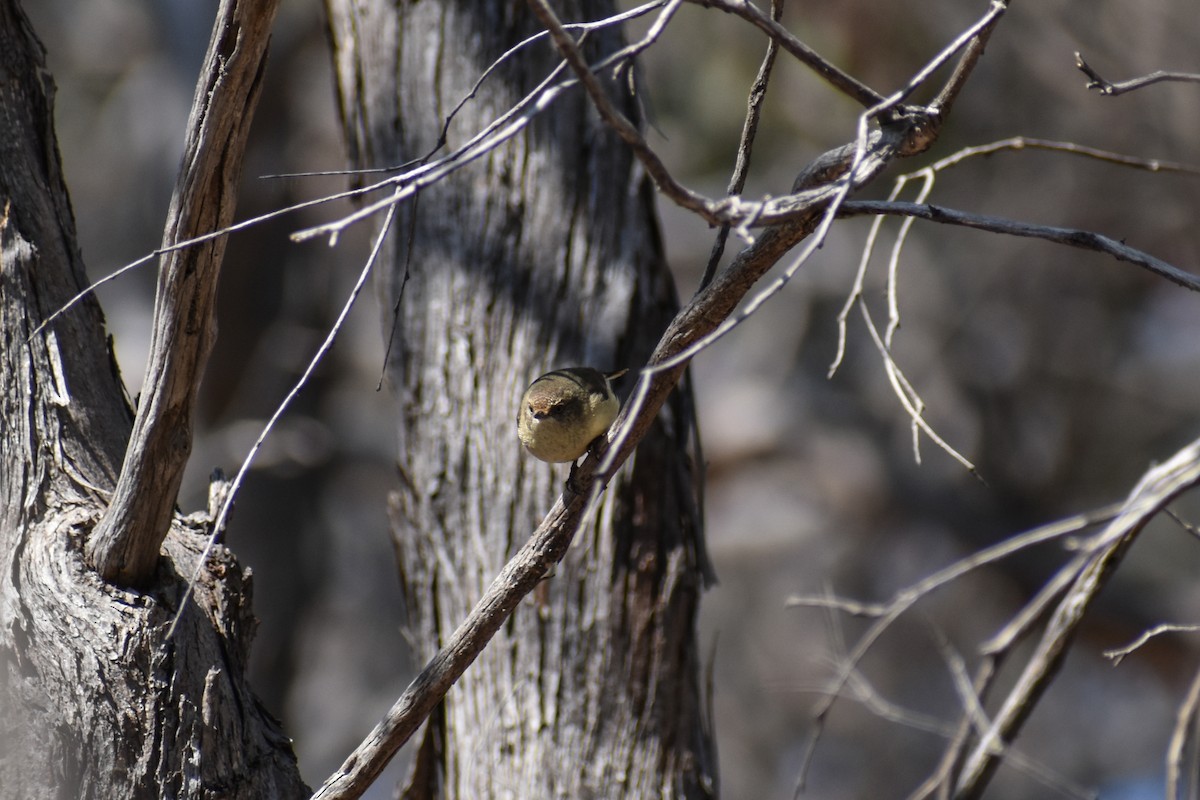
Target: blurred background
point(1063, 375)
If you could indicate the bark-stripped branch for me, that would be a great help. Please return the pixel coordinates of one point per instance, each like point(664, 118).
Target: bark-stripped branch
point(124, 547)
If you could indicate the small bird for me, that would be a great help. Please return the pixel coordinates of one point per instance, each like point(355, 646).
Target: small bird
point(564, 411)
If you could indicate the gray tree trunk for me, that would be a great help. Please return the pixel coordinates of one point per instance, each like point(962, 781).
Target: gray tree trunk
point(543, 253)
point(95, 701)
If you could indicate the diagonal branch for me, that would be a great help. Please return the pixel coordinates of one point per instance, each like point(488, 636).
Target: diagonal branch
point(768, 24)
point(1185, 721)
point(758, 94)
point(663, 180)
point(1153, 493)
point(1072, 237)
point(124, 547)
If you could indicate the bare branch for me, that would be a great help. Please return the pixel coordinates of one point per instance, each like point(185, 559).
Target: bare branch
point(519, 577)
point(1185, 720)
point(501, 130)
point(1110, 89)
point(828, 180)
point(124, 547)
point(658, 172)
point(1118, 654)
point(583, 27)
point(974, 40)
point(1156, 489)
point(1072, 237)
point(758, 93)
point(912, 402)
point(847, 84)
point(228, 491)
point(913, 130)
point(1183, 523)
point(196, 240)
point(1019, 143)
point(854, 608)
point(927, 175)
point(976, 716)
point(905, 599)
point(900, 385)
point(1024, 621)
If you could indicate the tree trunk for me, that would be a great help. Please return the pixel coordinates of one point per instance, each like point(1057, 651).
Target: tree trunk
point(95, 701)
point(542, 253)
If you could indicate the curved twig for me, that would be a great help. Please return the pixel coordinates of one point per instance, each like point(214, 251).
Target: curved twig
point(1110, 89)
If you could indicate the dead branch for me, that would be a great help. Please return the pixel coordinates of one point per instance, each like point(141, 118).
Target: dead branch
point(1185, 722)
point(1118, 654)
point(1110, 89)
point(741, 168)
point(886, 614)
point(1158, 488)
point(124, 547)
point(1072, 237)
point(840, 80)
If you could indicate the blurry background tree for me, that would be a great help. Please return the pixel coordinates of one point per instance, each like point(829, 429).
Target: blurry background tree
point(1062, 374)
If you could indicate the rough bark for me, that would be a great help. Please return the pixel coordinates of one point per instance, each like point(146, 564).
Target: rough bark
point(543, 253)
point(95, 702)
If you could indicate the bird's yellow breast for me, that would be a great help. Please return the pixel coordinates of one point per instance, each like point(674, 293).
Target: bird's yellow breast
point(563, 412)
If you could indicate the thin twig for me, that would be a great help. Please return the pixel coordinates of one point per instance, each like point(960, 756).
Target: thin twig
point(1185, 720)
point(906, 598)
point(621, 125)
point(1157, 488)
point(1110, 89)
point(857, 287)
point(201, 239)
point(909, 398)
point(847, 84)
point(1118, 654)
point(501, 130)
point(927, 174)
point(901, 386)
point(1020, 143)
point(1072, 237)
point(230, 492)
point(754, 104)
point(976, 714)
point(942, 777)
point(974, 41)
point(1183, 523)
point(1035, 609)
